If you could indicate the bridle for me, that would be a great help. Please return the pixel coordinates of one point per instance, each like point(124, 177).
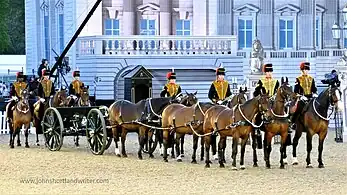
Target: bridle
point(285, 100)
point(332, 104)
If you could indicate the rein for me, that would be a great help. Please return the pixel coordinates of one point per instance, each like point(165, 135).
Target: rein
point(23, 111)
point(322, 117)
point(150, 106)
point(255, 126)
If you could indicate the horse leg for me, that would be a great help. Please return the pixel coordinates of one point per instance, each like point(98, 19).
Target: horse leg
point(123, 138)
point(149, 139)
point(295, 144)
point(202, 149)
point(165, 144)
point(177, 144)
point(214, 146)
point(207, 142)
point(182, 148)
point(322, 136)
point(38, 128)
point(254, 147)
point(243, 149)
point(224, 147)
point(234, 152)
point(18, 131)
point(11, 136)
point(173, 141)
point(116, 139)
point(267, 149)
point(308, 149)
point(195, 147)
point(26, 133)
point(142, 134)
point(76, 141)
point(220, 151)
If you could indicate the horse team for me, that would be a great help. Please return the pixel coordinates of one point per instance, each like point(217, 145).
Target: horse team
point(169, 119)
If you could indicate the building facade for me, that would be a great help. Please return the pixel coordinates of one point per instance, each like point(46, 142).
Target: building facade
point(192, 36)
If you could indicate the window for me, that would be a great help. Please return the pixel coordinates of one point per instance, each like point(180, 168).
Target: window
point(61, 31)
point(111, 27)
point(147, 27)
point(286, 33)
point(183, 29)
point(245, 33)
point(46, 35)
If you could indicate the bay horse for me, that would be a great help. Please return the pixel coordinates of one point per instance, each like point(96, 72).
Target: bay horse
point(313, 120)
point(59, 100)
point(21, 116)
point(278, 116)
point(234, 122)
point(125, 116)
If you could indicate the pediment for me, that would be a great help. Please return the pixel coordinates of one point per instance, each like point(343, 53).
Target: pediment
point(139, 72)
point(320, 8)
point(247, 8)
point(148, 7)
point(288, 8)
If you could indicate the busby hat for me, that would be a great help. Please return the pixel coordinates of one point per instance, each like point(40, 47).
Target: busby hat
point(268, 68)
point(171, 75)
point(20, 75)
point(43, 61)
point(305, 66)
point(76, 73)
point(45, 72)
point(220, 71)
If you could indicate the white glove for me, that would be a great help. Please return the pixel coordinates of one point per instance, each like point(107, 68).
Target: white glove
point(219, 102)
point(314, 95)
point(42, 100)
point(74, 97)
point(51, 96)
point(179, 98)
point(14, 98)
point(303, 98)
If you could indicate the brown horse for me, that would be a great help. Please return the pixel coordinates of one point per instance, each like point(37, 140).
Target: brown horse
point(277, 123)
point(232, 122)
point(59, 100)
point(183, 120)
point(21, 116)
point(313, 120)
point(125, 116)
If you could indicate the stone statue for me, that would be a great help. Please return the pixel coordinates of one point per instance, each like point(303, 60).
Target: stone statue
point(257, 57)
point(341, 66)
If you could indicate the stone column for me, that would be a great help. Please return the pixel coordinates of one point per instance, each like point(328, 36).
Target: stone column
point(266, 23)
point(331, 16)
point(200, 23)
point(165, 17)
point(128, 18)
point(306, 24)
point(224, 15)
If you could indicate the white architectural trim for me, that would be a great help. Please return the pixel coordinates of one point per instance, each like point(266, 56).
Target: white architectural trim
point(44, 11)
point(320, 9)
point(254, 24)
point(320, 30)
point(184, 13)
point(289, 8)
point(112, 12)
point(149, 11)
point(247, 8)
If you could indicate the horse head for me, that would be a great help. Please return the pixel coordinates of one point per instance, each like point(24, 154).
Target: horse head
point(263, 101)
point(23, 104)
point(60, 98)
point(285, 91)
point(242, 96)
point(189, 99)
point(84, 100)
point(335, 96)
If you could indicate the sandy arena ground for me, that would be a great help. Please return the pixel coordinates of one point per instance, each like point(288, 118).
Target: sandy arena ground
point(22, 167)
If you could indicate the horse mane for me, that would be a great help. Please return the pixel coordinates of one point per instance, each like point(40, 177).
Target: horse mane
point(250, 101)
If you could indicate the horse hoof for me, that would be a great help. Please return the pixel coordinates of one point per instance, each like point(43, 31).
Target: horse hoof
point(321, 166)
point(242, 167)
point(151, 156)
point(215, 157)
point(19, 144)
point(11, 146)
point(207, 166)
point(285, 161)
point(118, 155)
point(309, 166)
point(182, 155)
point(165, 160)
point(201, 159)
point(124, 156)
point(234, 168)
point(282, 167)
point(295, 163)
point(268, 166)
point(179, 160)
point(37, 144)
point(140, 158)
point(27, 145)
point(255, 165)
point(194, 162)
point(172, 156)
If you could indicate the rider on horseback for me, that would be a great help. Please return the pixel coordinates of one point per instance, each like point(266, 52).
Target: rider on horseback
point(15, 92)
point(220, 89)
point(171, 89)
point(305, 87)
point(75, 89)
point(45, 90)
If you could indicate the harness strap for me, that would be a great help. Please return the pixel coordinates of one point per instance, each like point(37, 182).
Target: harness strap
point(322, 117)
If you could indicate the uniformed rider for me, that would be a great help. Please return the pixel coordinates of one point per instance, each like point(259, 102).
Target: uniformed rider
point(46, 88)
point(171, 89)
point(268, 82)
point(75, 89)
point(220, 89)
point(15, 93)
point(305, 87)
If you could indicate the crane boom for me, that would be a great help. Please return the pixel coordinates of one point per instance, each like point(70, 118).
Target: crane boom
point(73, 39)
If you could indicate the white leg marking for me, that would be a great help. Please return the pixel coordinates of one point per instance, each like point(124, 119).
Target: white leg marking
point(215, 157)
point(116, 150)
point(295, 160)
point(179, 157)
point(285, 161)
point(233, 168)
point(162, 150)
point(242, 167)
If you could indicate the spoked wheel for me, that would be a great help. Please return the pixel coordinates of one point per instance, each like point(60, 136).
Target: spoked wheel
point(52, 128)
point(152, 139)
point(109, 142)
point(96, 132)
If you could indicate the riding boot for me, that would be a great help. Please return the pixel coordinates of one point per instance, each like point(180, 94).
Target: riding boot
point(259, 139)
